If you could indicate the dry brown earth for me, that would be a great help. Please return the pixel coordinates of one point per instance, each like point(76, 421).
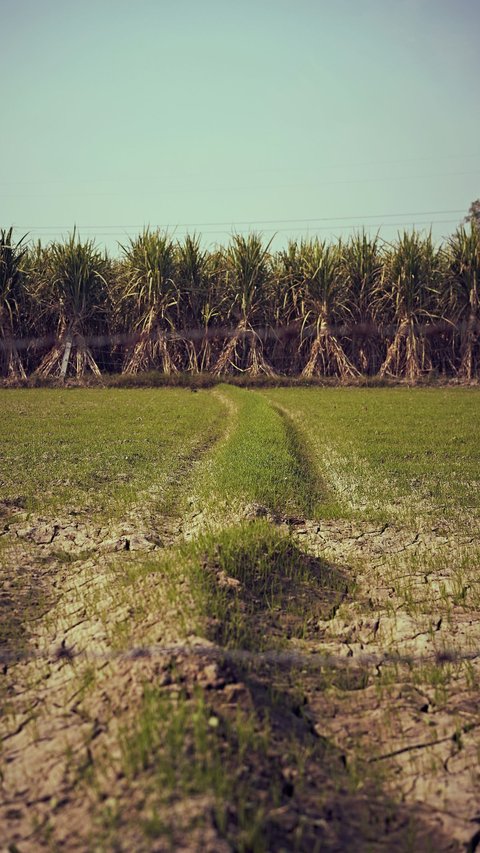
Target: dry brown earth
point(411, 724)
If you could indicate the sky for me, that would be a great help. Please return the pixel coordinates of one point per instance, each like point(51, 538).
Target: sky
point(289, 117)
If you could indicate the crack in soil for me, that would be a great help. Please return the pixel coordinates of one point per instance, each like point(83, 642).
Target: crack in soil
point(416, 746)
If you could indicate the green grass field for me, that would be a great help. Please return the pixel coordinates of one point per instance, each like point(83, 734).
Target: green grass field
point(303, 524)
point(392, 450)
point(98, 449)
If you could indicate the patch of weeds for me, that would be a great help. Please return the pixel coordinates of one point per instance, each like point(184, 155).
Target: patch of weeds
point(465, 583)
point(186, 749)
point(314, 489)
point(387, 674)
point(157, 379)
point(352, 678)
point(86, 681)
point(259, 778)
point(259, 589)
point(66, 558)
point(439, 676)
point(111, 816)
point(120, 633)
point(471, 675)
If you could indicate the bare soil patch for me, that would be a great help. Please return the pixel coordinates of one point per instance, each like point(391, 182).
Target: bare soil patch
point(415, 719)
point(64, 782)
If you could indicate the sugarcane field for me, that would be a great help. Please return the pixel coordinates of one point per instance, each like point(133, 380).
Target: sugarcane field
point(239, 426)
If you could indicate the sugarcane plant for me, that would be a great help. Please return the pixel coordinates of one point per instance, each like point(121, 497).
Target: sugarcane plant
point(288, 307)
point(463, 295)
point(247, 276)
point(212, 312)
point(196, 270)
point(73, 294)
point(327, 307)
point(361, 269)
point(150, 301)
point(408, 300)
point(12, 303)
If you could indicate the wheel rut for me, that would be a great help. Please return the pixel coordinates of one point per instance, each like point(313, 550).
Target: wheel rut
point(403, 634)
point(68, 597)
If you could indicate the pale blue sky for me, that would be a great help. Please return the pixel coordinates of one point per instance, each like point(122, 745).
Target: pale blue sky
point(292, 116)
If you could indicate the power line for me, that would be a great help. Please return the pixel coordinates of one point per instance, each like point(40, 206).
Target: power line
point(225, 188)
point(250, 222)
point(377, 225)
point(358, 225)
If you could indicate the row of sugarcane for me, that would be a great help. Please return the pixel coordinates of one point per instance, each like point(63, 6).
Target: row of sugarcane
point(315, 308)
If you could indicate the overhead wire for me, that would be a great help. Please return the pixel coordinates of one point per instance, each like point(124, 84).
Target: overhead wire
point(225, 188)
point(224, 231)
point(249, 222)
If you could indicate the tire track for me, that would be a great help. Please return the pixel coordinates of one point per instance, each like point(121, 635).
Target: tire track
point(405, 579)
point(45, 740)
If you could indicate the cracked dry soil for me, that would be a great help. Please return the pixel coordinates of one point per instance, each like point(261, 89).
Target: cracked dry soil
point(51, 717)
point(416, 719)
point(413, 726)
